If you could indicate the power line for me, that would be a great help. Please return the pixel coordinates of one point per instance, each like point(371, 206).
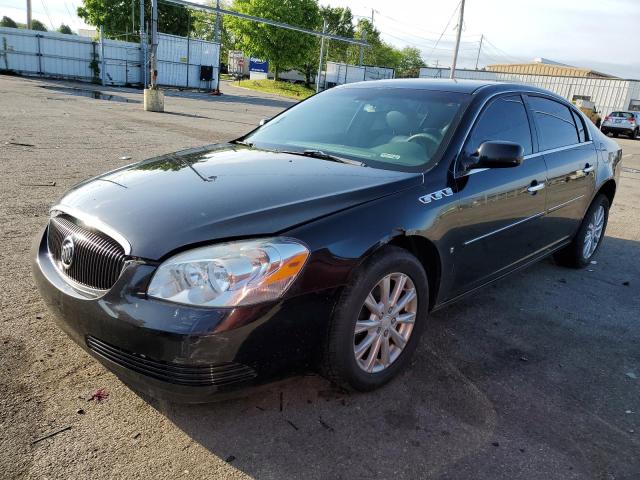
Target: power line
point(445, 29)
point(46, 11)
point(420, 28)
point(502, 52)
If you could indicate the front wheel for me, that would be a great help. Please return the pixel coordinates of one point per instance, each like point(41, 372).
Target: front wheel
point(378, 321)
point(580, 251)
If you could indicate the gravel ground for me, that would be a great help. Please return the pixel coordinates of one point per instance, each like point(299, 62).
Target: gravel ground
point(536, 377)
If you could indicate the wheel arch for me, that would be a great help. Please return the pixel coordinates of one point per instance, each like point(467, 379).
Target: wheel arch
point(428, 255)
point(608, 189)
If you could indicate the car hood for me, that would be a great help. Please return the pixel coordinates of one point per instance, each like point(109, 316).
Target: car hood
point(221, 192)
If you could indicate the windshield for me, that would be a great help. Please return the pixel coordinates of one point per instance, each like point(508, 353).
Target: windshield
point(394, 128)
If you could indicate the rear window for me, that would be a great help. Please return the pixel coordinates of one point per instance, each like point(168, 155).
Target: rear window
point(622, 114)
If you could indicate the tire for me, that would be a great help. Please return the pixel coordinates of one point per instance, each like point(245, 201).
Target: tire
point(576, 254)
point(340, 364)
point(633, 135)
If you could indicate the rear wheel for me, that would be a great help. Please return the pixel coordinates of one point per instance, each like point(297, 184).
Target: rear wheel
point(580, 251)
point(378, 321)
point(634, 134)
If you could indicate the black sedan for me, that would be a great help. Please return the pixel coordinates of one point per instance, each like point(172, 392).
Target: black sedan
point(322, 239)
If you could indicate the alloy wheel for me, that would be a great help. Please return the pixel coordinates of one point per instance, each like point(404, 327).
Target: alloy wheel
point(594, 232)
point(385, 323)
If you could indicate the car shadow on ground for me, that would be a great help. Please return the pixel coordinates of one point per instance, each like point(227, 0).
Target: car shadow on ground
point(529, 378)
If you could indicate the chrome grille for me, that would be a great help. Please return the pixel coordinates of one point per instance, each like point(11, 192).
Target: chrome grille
point(97, 258)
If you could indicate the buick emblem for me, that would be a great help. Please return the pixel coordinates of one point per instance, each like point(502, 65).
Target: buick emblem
point(66, 252)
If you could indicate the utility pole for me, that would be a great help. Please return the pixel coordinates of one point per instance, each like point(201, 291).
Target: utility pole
point(458, 34)
point(154, 44)
point(217, 37)
point(29, 14)
point(143, 47)
point(479, 49)
point(216, 32)
point(153, 96)
point(324, 30)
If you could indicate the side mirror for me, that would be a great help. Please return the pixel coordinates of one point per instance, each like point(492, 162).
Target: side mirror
point(263, 121)
point(496, 154)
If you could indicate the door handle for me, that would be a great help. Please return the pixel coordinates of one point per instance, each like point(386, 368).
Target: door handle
point(535, 187)
point(588, 168)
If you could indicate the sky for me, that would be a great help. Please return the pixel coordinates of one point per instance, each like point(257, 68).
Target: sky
point(599, 34)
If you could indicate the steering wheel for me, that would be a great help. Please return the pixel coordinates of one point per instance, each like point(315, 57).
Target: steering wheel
point(430, 142)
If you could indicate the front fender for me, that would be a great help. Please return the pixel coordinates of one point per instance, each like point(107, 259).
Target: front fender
point(341, 242)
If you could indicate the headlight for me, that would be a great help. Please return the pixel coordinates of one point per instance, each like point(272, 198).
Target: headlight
point(230, 274)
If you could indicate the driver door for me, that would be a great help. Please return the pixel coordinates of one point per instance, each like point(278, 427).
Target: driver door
point(499, 220)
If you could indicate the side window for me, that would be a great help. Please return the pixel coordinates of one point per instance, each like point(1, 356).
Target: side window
point(555, 123)
point(580, 125)
point(504, 119)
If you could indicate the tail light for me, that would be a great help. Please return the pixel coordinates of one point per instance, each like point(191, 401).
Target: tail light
point(632, 120)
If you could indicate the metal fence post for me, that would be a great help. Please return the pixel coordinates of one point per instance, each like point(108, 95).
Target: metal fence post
point(102, 60)
point(188, 58)
point(39, 54)
point(324, 30)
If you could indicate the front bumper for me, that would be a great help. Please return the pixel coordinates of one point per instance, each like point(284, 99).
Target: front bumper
point(182, 353)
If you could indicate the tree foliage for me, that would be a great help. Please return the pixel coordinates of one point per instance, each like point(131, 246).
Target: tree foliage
point(203, 27)
point(283, 48)
point(38, 25)
point(8, 22)
point(410, 63)
point(116, 17)
point(65, 29)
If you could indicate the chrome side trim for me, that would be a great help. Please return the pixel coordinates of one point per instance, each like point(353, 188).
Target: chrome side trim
point(557, 207)
point(93, 222)
point(502, 229)
point(559, 149)
point(474, 170)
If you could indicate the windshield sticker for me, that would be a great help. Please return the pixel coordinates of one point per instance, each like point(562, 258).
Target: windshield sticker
point(439, 195)
point(392, 156)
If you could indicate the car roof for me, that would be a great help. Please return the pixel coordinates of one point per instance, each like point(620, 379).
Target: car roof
point(446, 85)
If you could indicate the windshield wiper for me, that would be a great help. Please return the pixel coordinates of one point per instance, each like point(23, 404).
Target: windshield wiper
point(323, 156)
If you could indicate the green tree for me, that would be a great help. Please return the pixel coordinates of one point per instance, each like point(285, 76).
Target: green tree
point(203, 27)
point(410, 63)
point(339, 22)
point(283, 48)
point(115, 17)
point(38, 25)
point(8, 22)
point(65, 29)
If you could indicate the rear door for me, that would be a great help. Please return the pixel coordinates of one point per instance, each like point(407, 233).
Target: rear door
point(571, 159)
point(500, 209)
